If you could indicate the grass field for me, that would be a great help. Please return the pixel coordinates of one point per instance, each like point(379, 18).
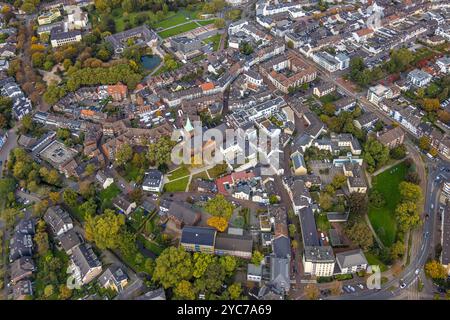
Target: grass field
point(179, 172)
point(383, 219)
point(218, 170)
point(177, 30)
point(332, 97)
point(176, 18)
point(177, 185)
point(206, 22)
point(108, 194)
point(215, 40)
point(322, 222)
point(373, 260)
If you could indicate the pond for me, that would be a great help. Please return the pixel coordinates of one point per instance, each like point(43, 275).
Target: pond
point(150, 62)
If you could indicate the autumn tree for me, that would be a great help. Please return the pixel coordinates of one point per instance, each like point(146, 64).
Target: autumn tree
point(435, 270)
point(312, 292)
point(336, 288)
point(424, 143)
point(219, 223)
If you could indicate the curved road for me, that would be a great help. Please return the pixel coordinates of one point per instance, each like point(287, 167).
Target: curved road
point(437, 174)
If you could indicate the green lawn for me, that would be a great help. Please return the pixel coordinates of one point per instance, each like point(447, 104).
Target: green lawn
point(206, 22)
point(215, 40)
point(218, 170)
point(106, 195)
point(373, 260)
point(383, 219)
point(179, 172)
point(177, 30)
point(171, 21)
point(177, 185)
point(322, 222)
point(131, 173)
point(332, 97)
point(137, 219)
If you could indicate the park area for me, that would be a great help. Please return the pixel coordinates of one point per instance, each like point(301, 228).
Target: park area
point(383, 218)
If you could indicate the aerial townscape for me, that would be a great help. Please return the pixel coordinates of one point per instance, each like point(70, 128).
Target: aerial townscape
point(225, 150)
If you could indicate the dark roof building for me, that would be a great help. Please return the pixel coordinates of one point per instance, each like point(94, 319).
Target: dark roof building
point(58, 219)
point(234, 245)
point(198, 239)
point(22, 268)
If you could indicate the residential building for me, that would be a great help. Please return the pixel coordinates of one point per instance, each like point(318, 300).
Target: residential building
point(366, 121)
point(69, 240)
point(444, 64)
point(392, 137)
point(153, 181)
point(22, 268)
point(198, 239)
point(254, 273)
point(60, 37)
point(22, 290)
point(318, 261)
point(378, 93)
point(324, 89)
point(123, 205)
point(85, 265)
point(419, 78)
point(114, 278)
point(58, 219)
point(351, 261)
point(234, 245)
point(104, 180)
point(298, 164)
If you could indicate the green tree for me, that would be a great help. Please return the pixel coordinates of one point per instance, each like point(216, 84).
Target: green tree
point(184, 291)
point(70, 197)
point(173, 266)
point(357, 203)
point(160, 151)
point(397, 250)
point(235, 291)
point(360, 234)
point(105, 229)
point(124, 154)
point(229, 264)
point(201, 262)
point(375, 154)
point(219, 206)
point(257, 258)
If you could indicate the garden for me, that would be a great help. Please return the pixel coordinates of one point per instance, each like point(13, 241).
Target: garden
point(383, 218)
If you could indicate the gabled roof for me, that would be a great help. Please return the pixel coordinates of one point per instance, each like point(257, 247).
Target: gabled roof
point(351, 258)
